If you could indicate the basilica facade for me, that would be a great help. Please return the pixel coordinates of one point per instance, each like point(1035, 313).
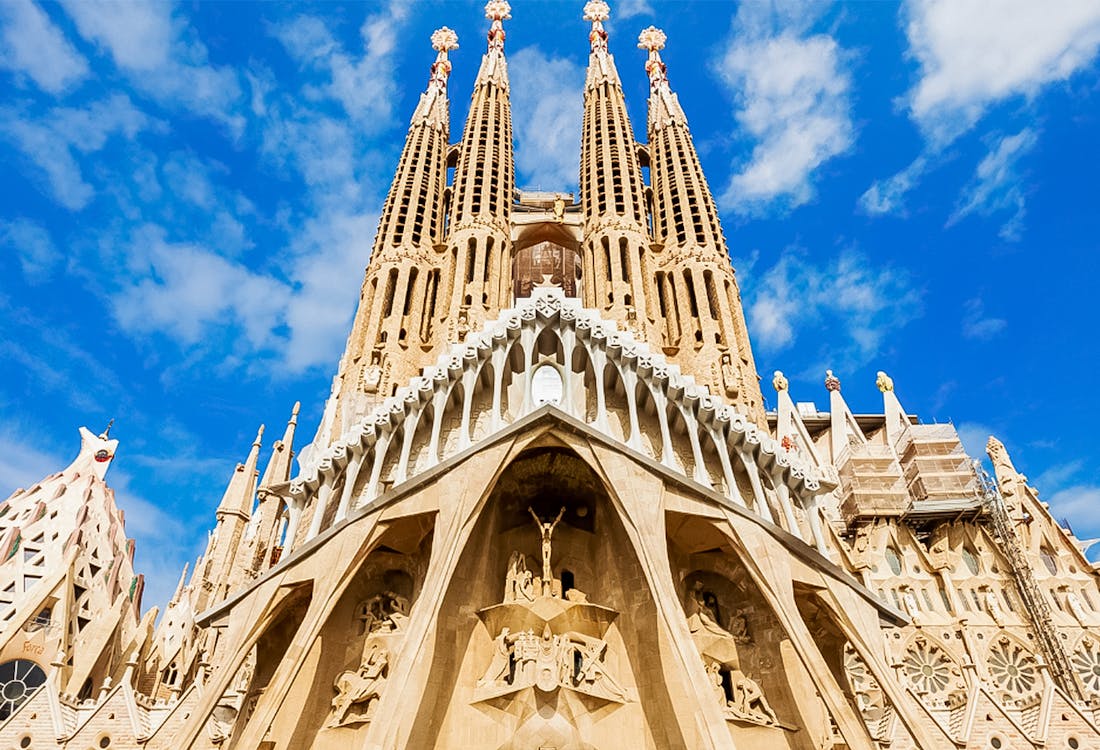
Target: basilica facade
point(546, 508)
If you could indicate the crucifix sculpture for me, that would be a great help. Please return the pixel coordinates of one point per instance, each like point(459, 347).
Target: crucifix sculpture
point(546, 529)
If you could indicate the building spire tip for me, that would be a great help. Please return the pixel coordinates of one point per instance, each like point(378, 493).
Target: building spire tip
point(596, 12)
point(107, 430)
point(497, 11)
point(884, 382)
point(832, 382)
point(652, 39)
point(444, 40)
point(779, 381)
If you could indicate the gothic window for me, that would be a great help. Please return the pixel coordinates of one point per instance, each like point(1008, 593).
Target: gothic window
point(927, 667)
point(971, 560)
point(18, 679)
point(893, 559)
point(1013, 669)
point(1049, 560)
point(1086, 661)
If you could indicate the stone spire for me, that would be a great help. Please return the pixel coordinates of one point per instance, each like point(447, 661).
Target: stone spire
point(612, 190)
point(282, 453)
point(237, 500)
point(699, 305)
point(479, 277)
point(398, 302)
point(218, 574)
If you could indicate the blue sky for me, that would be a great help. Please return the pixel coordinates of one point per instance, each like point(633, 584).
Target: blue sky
point(190, 194)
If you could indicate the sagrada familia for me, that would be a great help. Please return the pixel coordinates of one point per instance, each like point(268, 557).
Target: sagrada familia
point(546, 509)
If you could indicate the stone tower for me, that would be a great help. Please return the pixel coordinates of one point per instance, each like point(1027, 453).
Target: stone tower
point(545, 508)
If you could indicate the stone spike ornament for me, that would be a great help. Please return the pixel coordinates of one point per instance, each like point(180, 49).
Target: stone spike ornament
point(832, 382)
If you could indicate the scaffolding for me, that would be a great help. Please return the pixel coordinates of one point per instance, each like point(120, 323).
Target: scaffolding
point(1005, 535)
point(871, 482)
point(935, 465)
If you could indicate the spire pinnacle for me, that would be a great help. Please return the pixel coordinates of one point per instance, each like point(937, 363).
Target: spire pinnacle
point(443, 41)
point(779, 381)
point(653, 40)
point(597, 11)
point(884, 382)
point(106, 434)
point(497, 11)
point(832, 382)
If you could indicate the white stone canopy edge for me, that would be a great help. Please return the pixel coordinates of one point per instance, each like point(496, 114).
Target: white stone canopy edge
point(737, 442)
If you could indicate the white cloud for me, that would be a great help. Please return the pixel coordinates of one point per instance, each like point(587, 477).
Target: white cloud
point(364, 85)
point(995, 187)
point(974, 436)
point(888, 195)
point(631, 8)
point(21, 465)
point(547, 109)
point(792, 96)
point(32, 244)
point(161, 56)
point(974, 53)
point(1078, 501)
point(188, 292)
point(50, 141)
point(977, 325)
point(850, 305)
point(31, 44)
point(332, 250)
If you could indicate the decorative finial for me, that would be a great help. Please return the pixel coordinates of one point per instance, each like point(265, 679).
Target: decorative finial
point(779, 382)
point(652, 39)
point(107, 430)
point(832, 382)
point(497, 11)
point(884, 382)
point(444, 40)
point(259, 436)
point(597, 11)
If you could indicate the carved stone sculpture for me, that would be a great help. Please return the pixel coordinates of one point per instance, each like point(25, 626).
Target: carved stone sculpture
point(748, 700)
point(358, 691)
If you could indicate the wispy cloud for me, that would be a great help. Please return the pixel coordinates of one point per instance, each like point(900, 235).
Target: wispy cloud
point(977, 324)
point(974, 436)
point(792, 99)
point(973, 55)
point(161, 56)
point(32, 45)
point(995, 186)
point(547, 108)
point(631, 8)
point(186, 291)
point(32, 245)
point(52, 141)
point(850, 305)
point(363, 84)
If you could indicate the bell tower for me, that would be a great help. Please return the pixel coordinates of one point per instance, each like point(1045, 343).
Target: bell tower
point(698, 302)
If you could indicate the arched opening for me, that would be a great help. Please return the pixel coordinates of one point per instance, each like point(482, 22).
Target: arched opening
point(596, 591)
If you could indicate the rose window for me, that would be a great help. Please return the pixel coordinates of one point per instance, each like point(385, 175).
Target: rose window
point(1012, 668)
point(1087, 663)
point(927, 667)
point(18, 679)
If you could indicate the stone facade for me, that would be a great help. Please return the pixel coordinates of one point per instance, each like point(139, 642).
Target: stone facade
point(545, 508)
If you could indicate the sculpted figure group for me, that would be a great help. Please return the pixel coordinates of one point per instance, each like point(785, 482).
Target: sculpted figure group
point(549, 661)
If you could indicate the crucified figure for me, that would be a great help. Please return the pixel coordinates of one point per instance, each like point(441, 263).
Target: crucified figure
point(546, 530)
